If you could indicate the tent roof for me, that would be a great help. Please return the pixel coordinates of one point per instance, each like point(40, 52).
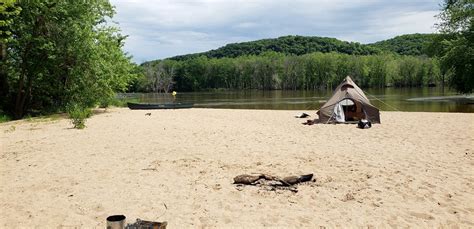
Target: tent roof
point(347, 89)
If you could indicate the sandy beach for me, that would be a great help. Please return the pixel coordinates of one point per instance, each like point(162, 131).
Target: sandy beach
point(413, 170)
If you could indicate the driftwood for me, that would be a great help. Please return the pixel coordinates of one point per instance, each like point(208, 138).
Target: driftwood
point(143, 224)
point(272, 181)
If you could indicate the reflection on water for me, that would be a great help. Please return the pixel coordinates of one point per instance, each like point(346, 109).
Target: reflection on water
point(388, 99)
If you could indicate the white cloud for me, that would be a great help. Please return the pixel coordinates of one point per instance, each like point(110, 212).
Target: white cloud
point(386, 25)
point(165, 28)
point(409, 22)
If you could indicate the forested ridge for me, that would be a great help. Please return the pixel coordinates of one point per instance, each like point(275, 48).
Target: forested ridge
point(409, 44)
point(289, 45)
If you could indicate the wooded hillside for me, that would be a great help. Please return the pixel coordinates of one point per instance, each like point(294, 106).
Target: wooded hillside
point(411, 44)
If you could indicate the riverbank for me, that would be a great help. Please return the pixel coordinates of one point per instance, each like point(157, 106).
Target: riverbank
point(415, 169)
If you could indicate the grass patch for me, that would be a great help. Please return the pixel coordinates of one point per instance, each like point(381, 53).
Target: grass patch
point(44, 118)
point(4, 118)
point(75, 113)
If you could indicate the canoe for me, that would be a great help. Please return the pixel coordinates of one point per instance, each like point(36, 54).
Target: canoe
point(148, 106)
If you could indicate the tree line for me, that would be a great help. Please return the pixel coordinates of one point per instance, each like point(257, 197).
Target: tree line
point(271, 70)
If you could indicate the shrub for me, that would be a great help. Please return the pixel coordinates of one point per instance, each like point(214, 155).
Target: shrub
point(78, 115)
point(4, 118)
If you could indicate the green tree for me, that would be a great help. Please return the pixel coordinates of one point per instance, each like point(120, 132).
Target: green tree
point(64, 52)
point(272, 70)
point(457, 52)
point(8, 10)
point(409, 44)
point(289, 45)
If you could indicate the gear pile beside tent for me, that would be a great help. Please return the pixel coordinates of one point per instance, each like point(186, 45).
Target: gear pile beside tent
point(348, 104)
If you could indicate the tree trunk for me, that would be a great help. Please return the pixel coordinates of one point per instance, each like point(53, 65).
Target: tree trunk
point(4, 86)
point(19, 101)
point(18, 113)
point(442, 84)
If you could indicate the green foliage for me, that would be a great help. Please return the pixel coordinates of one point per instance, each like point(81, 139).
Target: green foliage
point(4, 118)
point(456, 16)
point(63, 52)
point(456, 48)
point(459, 60)
point(410, 44)
point(105, 102)
point(78, 115)
point(289, 45)
point(272, 70)
point(8, 10)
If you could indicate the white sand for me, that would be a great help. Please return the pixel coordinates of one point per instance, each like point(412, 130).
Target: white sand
point(415, 169)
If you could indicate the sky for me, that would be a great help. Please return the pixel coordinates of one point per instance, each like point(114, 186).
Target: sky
point(158, 29)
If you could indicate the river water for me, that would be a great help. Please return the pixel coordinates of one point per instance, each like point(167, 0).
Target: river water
point(386, 99)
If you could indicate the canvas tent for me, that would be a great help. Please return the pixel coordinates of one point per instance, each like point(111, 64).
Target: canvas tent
point(348, 103)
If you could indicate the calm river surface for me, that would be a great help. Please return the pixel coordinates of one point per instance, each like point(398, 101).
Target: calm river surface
point(387, 99)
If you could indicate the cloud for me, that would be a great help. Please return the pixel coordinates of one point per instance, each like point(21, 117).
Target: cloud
point(164, 28)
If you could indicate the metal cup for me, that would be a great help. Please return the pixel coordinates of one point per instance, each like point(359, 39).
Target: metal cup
point(116, 222)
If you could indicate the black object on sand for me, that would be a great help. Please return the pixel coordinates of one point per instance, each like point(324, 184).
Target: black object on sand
point(302, 115)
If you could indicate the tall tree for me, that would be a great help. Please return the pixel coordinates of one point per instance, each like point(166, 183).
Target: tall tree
point(8, 10)
point(160, 75)
point(457, 54)
point(64, 52)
